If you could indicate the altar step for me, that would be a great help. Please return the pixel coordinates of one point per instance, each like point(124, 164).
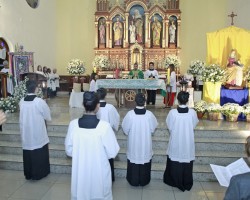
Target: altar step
point(220, 147)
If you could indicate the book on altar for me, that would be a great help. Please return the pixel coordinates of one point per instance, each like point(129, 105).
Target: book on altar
point(224, 174)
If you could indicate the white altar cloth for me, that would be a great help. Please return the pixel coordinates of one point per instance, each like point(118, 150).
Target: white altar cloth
point(76, 99)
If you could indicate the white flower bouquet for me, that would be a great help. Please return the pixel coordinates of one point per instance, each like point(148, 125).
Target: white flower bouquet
point(246, 109)
point(213, 108)
point(101, 61)
point(172, 59)
point(213, 73)
point(200, 106)
point(196, 67)
point(8, 104)
point(75, 67)
point(231, 109)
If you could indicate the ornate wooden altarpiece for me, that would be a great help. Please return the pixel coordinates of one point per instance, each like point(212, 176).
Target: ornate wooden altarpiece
point(137, 31)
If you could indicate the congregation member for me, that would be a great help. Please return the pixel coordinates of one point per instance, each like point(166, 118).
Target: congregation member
point(151, 73)
point(107, 112)
point(171, 88)
point(39, 70)
point(56, 81)
point(91, 143)
point(181, 147)
point(238, 188)
point(6, 70)
point(50, 83)
point(34, 112)
point(93, 78)
point(135, 73)
point(139, 125)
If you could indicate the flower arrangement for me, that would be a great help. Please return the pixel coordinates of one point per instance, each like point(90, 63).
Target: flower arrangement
point(200, 106)
point(75, 67)
point(213, 73)
point(8, 104)
point(247, 76)
point(231, 108)
point(101, 61)
point(246, 109)
point(213, 108)
point(172, 59)
point(196, 67)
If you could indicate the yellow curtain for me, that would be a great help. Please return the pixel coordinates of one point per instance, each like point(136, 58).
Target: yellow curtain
point(220, 43)
point(211, 92)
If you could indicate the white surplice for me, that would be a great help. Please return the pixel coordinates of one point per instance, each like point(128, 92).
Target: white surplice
point(181, 146)
point(90, 150)
point(110, 115)
point(139, 129)
point(32, 123)
point(149, 73)
point(92, 85)
point(172, 87)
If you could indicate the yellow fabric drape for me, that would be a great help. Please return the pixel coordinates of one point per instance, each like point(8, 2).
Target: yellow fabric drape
point(211, 92)
point(220, 43)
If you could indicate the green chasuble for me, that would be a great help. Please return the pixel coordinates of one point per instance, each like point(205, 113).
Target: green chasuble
point(136, 74)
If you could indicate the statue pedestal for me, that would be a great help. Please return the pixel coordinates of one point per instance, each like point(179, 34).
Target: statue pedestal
point(172, 45)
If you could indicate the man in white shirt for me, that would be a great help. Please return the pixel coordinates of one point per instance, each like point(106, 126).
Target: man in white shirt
point(107, 112)
point(91, 143)
point(139, 125)
point(151, 73)
point(33, 113)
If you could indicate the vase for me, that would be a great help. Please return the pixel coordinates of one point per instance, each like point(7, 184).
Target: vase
point(200, 115)
point(213, 116)
point(232, 117)
point(77, 87)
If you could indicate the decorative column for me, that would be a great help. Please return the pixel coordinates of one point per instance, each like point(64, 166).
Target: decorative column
point(126, 30)
point(149, 28)
point(167, 32)
point(163, 34)
point(96, 35)
point(147, 41)
point(110, 34)
point(178, 33)
point(107, 34)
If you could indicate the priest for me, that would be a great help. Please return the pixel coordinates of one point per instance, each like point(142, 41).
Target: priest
point(136, 73)
point(139, 125)
point(91, 143)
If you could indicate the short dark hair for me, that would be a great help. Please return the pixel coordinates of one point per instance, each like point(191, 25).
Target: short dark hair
point(101, 92)
point(140, 99)
point(90, 101)
point(151, 63)
point(92, 76)
point(31, 86)
point(171, 66)
point(183, 97)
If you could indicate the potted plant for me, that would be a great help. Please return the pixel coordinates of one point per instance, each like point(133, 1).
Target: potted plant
point(231, 111)
point(196, 68)
point(172, 59)
point(101, 62)
point(200, 108)
point(214, 111)
point(246, 111)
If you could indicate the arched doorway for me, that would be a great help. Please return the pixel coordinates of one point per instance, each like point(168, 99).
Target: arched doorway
point(4, 49)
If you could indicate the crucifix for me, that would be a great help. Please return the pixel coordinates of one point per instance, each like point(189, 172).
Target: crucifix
point(232, 15)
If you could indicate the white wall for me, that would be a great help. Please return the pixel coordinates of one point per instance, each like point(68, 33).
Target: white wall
point(33, 28)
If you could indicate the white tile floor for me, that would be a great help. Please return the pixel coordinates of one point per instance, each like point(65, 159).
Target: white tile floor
point(13, 186)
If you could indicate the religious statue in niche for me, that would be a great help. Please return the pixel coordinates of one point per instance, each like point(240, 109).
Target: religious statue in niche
point(156, 30)
point(137, 24)
point(172, 30)
point(118, 31)
point(234, 69)
point(102, 31)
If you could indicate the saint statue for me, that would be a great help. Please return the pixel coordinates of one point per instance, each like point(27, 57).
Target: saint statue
point(156, 29)
point(102, 32)
point(172, 29)
point(132, 32)
point(139, 30)
point(118, 32)
point(234, 70)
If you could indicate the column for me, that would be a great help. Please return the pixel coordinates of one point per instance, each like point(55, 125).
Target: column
point(107, 34)
point(147, 41)
point(126, 30)
point(96, 35)
point(178, 33)
point(167, 35)
point(110, 34)
point(163, 33)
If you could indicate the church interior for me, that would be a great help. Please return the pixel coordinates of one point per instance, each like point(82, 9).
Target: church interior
point(53, 33)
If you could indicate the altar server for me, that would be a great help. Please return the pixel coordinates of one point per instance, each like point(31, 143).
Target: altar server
point(108, 113)
point(92, 86)
point(91, 143)
point(181, 147)
point(139, 125)
point(33, 113)
point(151, 73)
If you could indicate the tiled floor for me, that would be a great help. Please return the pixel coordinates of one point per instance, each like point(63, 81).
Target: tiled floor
point(13, 186)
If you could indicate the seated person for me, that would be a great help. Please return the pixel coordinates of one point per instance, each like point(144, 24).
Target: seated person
point(239, 184)
point(10, 88)
point(136, 73)
point(234, 70)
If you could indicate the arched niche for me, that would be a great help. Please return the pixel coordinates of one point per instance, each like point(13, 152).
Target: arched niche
point(4, 49)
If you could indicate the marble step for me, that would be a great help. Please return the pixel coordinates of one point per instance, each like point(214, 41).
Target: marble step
point(202, 157)
point(62, 165)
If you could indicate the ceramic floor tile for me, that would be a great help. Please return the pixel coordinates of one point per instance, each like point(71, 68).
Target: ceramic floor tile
point(122, 183)
point(64, 178)
point(32, 190)
point(157, 195)
point(58, 191)
point(8, 187)
point(12, 175)
point(157, 185)
point(215, 195)
point(127, 194)
point(212, 186)
point(199, 195)
point(196, 187)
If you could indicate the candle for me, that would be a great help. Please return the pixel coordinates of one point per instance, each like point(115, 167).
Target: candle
point(168, 76)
